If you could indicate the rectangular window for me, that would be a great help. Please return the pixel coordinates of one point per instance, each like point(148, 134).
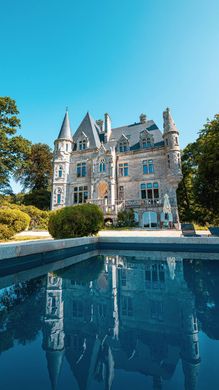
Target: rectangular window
point(121, 193)
point(127, 306)
point(148, 167)
point(156, 310)
point(123, 169)
point(78, 308)
point(150, 191)
point(59, 198)
point(123, 277)
point(81, 169)
point(80, 194)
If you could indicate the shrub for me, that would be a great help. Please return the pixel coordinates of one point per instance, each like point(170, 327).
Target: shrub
point(5, 232)
point(14, 219)
point(39, 218)
point(76, 221)
point(126, 218)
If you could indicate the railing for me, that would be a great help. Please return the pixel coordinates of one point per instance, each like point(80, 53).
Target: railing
point(130, 203)
point(108, 209)
point(143, 203)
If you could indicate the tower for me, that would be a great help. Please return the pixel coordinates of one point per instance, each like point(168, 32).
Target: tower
point(173, 160)
point(190, 346)
point(171, 140)
point(61, 163)
point(53, 334)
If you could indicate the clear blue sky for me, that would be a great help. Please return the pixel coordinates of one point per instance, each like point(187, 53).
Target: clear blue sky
point(123, 57)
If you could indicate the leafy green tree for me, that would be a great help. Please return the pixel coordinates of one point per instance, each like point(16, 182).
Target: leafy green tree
point(36, 171)
point(13, 148)
point(38, 198)
point(198, 192)
point(207, 178)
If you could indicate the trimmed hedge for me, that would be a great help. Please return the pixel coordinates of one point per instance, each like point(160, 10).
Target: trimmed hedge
point(76, 221)
point(15, 220)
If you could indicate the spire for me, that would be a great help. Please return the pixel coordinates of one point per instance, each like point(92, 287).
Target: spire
point(168, 123)
point(65, 132)
point(54, 363)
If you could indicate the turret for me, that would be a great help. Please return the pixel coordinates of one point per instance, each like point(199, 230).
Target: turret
point(64, 141)
point(171, 140)
point(61, 162)
point(190, 348)
point(53, 334)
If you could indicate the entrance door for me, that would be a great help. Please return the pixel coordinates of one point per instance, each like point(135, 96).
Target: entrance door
point(149, 219)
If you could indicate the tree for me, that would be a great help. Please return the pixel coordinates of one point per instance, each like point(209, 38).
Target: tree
point(207, 179)
point(198, 192)
point(36, 171)
point(13, 148)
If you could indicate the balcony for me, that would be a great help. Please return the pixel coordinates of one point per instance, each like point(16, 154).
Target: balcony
point(134, 203)
point(110, 210)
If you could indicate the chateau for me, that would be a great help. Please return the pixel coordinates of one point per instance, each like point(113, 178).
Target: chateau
point(133, 166)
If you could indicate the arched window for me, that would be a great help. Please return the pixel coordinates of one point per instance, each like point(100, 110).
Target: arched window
point(60, 171)
point(102, 166)
point(58, 195)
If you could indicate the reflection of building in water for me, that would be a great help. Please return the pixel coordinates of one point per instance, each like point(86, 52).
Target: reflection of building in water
point(136, 316)
point(53, 340)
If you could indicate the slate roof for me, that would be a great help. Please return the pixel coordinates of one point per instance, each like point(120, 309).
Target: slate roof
point(65, 132)
point(89, 127)
point(132, 132)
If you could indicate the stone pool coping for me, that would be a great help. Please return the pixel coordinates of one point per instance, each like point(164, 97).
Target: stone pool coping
point(190, 244)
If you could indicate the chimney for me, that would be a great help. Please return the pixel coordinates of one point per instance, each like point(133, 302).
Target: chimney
point(108, 126)
point(99, 123)
point(143, 118)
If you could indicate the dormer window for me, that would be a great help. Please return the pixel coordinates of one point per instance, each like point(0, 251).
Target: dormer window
point(146, 139)
point(123, 144)
point(146, 142)
point(102, 166)
point(82, 144)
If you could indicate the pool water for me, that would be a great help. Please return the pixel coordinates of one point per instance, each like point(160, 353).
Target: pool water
point(113, 322)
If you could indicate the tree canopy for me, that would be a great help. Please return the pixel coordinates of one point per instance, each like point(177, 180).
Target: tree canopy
point(36, 171)
point(198, 192)
point(13, 148)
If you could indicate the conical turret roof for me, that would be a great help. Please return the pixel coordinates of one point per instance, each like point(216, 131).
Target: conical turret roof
point(168, 122)
point(54, 363)
point(65, 132)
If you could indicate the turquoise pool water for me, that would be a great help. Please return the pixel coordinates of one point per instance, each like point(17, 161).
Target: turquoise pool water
point(149, 321)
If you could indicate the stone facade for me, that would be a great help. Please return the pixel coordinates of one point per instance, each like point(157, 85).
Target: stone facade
point(132, 166)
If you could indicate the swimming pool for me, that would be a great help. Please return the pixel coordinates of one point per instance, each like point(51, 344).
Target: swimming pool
point(148, 320)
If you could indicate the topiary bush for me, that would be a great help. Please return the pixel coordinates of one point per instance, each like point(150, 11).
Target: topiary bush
point(75, 221)
point(14, 219)
point(6, 232)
